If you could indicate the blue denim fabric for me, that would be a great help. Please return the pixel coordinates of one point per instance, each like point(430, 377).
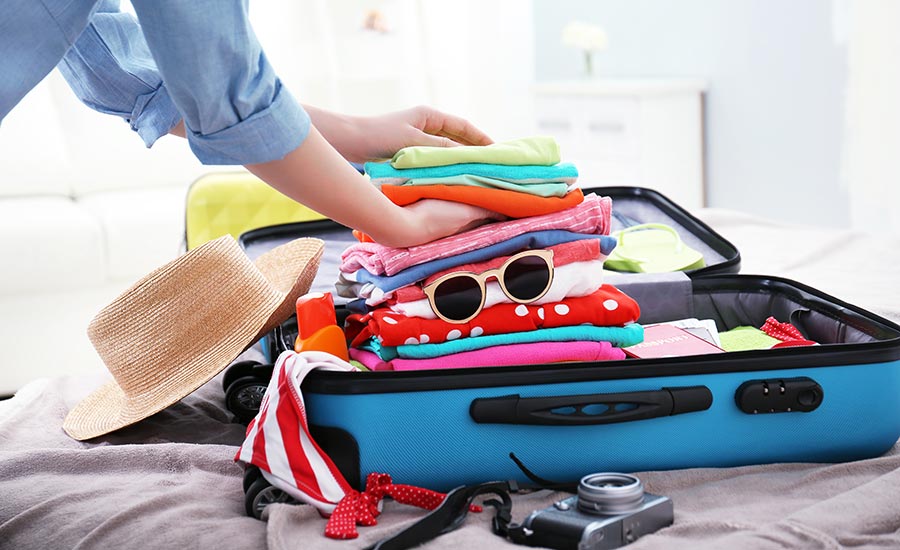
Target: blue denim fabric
point(34, 36)
point(111, 70)
point(196, 60)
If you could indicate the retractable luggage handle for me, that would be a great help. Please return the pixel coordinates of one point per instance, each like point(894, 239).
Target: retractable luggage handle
point(573, 410)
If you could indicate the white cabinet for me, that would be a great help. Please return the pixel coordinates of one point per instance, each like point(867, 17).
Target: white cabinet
point(646, 133)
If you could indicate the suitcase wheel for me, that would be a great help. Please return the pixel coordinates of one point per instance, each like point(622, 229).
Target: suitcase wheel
point(244, 397)
point(260, 494)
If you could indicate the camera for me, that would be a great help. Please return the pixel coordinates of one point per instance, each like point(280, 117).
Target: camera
point(609, 511)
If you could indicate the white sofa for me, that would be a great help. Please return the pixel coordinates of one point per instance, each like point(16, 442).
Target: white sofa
point(85, 211)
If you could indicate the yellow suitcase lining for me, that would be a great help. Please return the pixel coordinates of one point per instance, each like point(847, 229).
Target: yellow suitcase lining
point(234, 202)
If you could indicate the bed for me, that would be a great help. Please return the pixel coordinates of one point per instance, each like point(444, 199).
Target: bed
point(170, 481)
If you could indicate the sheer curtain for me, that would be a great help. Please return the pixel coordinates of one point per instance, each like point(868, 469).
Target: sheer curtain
point(872, 147)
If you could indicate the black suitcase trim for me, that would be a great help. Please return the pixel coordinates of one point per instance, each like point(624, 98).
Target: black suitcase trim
point(715, 278)
point(885, 348)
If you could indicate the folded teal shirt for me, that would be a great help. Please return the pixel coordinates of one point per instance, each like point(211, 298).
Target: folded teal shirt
point(622, 337)
point(564, 171)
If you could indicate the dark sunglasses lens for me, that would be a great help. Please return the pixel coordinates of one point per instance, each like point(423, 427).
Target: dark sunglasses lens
point(457, 298)
point(527, 277)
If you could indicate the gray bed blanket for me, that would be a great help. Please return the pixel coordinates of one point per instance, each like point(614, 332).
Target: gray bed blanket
point(170, 482)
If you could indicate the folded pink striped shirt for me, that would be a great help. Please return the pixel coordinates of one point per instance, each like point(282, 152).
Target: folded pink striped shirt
point(590, 217)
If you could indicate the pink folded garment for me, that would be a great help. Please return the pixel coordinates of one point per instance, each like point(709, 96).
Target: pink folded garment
point(590, 217)
point(499, 356)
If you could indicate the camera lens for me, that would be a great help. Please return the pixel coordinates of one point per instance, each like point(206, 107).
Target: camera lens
point(610, 494)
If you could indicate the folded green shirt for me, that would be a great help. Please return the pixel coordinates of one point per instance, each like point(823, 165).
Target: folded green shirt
point(538, 150)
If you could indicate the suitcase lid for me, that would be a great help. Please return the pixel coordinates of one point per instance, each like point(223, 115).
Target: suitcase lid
point(640, 205)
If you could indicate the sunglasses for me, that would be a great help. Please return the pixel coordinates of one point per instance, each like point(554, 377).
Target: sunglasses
point(459, 297)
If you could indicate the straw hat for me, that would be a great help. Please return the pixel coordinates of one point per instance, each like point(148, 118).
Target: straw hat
point(182, 324)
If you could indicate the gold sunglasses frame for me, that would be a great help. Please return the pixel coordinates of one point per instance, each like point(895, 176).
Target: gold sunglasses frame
point(481, 279)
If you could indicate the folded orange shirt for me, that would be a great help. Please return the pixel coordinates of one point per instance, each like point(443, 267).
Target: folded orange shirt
point(502, 201)
point(362, 237)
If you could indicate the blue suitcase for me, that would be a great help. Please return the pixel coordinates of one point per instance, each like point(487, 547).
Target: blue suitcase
point(441, 429)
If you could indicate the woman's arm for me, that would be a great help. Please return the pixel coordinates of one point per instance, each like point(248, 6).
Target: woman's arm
point(236, 111)
point(317, 176)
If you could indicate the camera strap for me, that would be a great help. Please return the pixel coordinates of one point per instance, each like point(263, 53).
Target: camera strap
point(451, 514)
point(452, 511)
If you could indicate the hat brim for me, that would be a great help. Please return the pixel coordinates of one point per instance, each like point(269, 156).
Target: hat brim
point(280, 266)
point(290, 270)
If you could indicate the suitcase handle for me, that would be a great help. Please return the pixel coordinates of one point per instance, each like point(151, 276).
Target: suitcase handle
point(584, 410)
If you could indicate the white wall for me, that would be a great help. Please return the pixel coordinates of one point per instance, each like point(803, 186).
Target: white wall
point(871, 159)
point(455, 56)
point(777, 74)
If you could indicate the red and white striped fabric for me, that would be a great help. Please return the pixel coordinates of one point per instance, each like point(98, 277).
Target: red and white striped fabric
point(278, 440)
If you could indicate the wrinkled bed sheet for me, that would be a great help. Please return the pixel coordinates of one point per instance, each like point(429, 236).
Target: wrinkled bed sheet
point(170, 482)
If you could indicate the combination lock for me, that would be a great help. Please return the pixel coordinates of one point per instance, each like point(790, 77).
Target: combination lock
point(779, 395)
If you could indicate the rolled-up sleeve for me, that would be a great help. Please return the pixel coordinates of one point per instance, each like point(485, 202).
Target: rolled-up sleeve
point(110, 69)
point(235, 109)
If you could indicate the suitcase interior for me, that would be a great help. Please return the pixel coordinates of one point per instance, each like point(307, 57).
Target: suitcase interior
point(856, 369)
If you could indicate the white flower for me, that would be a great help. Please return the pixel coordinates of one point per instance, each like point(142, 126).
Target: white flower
point(584, 36)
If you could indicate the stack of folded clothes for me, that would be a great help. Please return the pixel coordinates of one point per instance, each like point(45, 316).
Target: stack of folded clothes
point(518, 178)
point(522, 291)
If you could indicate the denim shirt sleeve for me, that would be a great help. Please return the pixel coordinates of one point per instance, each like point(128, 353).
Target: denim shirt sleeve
point(110, 69)
point(235, 109)
point(34, 35)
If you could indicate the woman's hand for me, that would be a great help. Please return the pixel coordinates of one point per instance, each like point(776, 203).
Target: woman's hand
point(361, 139)
point(432, 219)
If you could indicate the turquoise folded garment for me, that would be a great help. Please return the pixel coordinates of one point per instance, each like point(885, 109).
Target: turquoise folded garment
point(622, 337)
point(564, 172)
